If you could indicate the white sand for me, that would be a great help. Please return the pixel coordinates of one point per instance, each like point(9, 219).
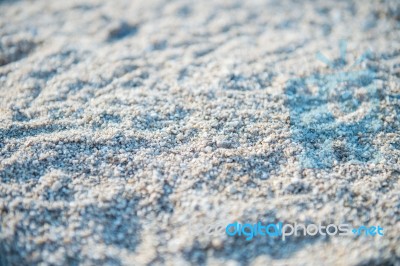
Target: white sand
point(123, 123)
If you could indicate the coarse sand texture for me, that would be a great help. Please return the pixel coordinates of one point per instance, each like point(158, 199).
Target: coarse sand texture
point(125, 126)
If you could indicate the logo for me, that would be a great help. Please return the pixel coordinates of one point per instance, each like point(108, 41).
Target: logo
point(334, 115)
point(282, 230)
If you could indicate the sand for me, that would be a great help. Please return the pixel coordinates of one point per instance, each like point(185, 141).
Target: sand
point(126, 125)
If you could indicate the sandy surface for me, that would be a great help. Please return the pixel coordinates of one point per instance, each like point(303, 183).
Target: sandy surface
point(122, 123)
